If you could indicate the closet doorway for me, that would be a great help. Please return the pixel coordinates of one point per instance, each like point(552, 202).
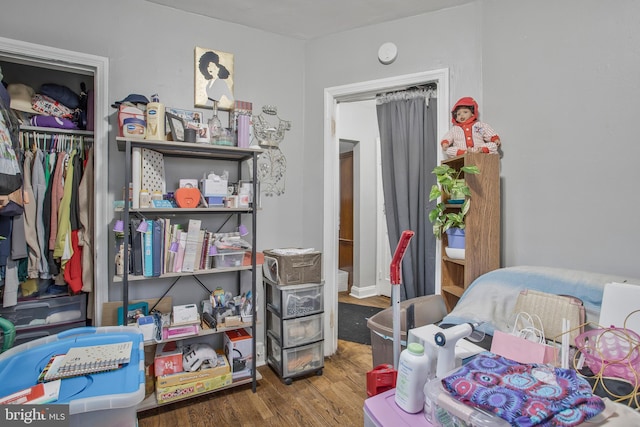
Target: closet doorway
point(42, 59)
point(332, 97)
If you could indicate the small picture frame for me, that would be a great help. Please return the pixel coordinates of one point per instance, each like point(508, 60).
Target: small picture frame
point(134, 311)
point(176, 123)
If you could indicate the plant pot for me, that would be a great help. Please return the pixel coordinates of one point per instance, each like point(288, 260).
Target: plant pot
point(455, 238)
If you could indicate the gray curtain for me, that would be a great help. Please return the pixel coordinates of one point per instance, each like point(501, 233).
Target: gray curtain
point(407, 123)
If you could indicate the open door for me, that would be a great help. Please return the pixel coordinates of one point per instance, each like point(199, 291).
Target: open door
point(345, 236)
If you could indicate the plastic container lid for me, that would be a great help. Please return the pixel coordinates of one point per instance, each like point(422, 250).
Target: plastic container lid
point(416, 348)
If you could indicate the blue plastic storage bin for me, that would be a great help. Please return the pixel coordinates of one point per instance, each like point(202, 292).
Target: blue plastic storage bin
point(98, 400)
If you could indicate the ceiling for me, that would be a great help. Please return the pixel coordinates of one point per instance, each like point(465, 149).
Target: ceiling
point(308, 19)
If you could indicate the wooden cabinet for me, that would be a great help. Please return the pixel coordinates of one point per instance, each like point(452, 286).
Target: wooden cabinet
point(482, 244)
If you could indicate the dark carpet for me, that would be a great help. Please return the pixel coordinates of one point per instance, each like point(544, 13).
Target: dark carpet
point(352, 322)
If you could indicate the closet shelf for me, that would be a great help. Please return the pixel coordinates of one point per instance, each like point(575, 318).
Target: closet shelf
point(56, 131)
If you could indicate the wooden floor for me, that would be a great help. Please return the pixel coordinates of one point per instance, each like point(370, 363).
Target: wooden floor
point(379, 301)
point(335, 398)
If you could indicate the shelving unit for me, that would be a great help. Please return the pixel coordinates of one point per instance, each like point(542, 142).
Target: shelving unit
point(196, 151)
point(482, 229)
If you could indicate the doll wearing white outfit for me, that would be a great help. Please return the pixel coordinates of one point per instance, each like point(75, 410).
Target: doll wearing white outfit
point(468, 134)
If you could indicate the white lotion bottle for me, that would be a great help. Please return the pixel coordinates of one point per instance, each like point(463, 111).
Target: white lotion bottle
point(413, 373)
point(155, 119)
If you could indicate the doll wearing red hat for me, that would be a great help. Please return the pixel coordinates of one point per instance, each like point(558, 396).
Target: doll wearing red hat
point(468, 134)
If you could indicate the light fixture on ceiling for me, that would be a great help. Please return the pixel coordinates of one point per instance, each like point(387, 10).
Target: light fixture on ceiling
point(387, 53)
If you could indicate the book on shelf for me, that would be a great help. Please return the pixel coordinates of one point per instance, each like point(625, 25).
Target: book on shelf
point(147, 259)
point(158, 246)
point(191, 252)
point(182, 245)
point(80, 361)
point(136, 248)
point(200, 249)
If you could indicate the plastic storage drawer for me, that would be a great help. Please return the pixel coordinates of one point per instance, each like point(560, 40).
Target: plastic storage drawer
point(296, 300)
point(302, 330)
point(41, 312)
point(30, 334)
point(295, 361)
point(228, 259)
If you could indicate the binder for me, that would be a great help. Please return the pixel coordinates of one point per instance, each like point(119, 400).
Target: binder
point(158, 245)
point(136, 248)
point(148, 249)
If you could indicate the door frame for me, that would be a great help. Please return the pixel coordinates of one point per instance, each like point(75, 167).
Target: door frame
point(98, 68)
point(332, 96)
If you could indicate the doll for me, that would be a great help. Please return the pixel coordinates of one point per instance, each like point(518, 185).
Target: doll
point(468, 134)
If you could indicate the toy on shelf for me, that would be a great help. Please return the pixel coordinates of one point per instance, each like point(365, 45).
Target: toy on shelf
point(468, 134)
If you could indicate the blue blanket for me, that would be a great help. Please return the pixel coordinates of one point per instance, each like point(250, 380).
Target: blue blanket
point(491, 298)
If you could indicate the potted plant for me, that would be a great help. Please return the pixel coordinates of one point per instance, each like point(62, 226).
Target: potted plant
point(450, 187)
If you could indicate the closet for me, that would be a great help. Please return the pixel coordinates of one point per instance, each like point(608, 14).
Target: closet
point(48, 305)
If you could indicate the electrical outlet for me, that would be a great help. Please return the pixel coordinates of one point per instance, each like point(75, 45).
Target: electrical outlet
point(260, 356)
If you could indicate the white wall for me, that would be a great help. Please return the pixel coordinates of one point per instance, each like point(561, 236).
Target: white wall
point(560, 84)
point(557, 80)
point(425, 42)
point(151, 50)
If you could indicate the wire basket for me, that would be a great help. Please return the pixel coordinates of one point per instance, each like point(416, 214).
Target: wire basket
point(612, 353)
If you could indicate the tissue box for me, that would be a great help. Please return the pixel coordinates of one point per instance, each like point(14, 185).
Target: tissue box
point(213, 187)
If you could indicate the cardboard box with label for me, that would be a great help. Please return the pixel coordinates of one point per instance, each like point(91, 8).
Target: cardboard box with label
point(238, 345)
point(170, 380)
point(181, 391)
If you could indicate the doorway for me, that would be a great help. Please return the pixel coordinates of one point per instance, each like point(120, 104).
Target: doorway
point(345, 234)
point(332, 97)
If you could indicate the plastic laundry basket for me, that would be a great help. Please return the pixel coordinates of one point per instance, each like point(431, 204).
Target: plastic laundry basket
point(428, 309)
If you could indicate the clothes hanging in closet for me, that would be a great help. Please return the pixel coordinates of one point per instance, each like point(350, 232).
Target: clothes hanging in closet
point(56, 228)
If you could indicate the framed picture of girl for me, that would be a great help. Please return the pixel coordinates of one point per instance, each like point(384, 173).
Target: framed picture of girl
point(213, 78)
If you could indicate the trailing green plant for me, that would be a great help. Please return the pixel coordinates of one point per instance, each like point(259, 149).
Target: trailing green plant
point(449, 184)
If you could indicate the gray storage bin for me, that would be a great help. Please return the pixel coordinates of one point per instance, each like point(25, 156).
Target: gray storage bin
point(428, 309)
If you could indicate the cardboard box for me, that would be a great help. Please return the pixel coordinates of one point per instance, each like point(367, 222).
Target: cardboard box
point(168, 359)
point(171, 380)
point(238, 349)
point(182, 391)
point(292, 269)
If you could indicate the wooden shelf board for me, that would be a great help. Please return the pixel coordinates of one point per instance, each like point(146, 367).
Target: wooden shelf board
point(454, 290)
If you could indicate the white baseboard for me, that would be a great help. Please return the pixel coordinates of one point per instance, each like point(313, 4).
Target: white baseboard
point(363, 292)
